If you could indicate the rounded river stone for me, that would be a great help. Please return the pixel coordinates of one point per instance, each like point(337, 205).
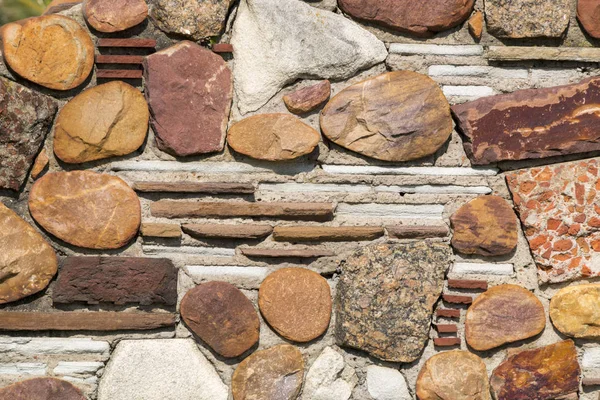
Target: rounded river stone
point(296, 302)
point(221, 316)
point(114, 15)
point(574, 311)
point(86, 209)
point(397, 116)
point(41, 389)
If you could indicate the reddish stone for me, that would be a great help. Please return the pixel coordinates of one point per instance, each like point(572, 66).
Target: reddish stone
point(309, 98)
point(446, 341)
point(222, 48)
point(446, 328)
point(467, 284)
point(448, 313)
point(588, 14)
point(416, 232)
point(454, 299)
point(41, 389)
point(114, 15)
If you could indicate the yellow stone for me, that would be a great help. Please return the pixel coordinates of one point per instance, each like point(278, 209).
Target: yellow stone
point(574, 311)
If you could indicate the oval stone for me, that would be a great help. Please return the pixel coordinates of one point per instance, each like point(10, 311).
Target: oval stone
point(272, 374)
point(273, 137)
point(104, 121)
point(574, 311)
point(41, 389)
point(52, 51)
point(397, 116)
point(114, 15)
point(588, 13)
point(27, 261)
point(86, 209)
point(221, 316)
point(296, 302)
point(503, 314)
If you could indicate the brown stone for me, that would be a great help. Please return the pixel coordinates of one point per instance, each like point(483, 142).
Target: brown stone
point(286, 253)
point(503, 314)
point(272, 374)
point(446, 341)
point(531, 123)
point(27, 262)
point(453, 375)
point(194, 187)
point(273, 137)
point(307, 99)
point(114, 15)
point(326, 233)
point(467, 284)
point(55, 4)
point(86, 209)
point(52, 51)
point(588, 14)
point(396, 116)
point(176, 78)
point(447, 313)
point(486, 226)
point(456, 299)
point(231, 231)
point(119, 74)
point(41, 389)
point(476, 24)
point(118, 280)
point(446, 328)
point(160, 230)
point(548, 372)
point(40, 164)
point(126, 42)
point(421, 19)
point(574, 311)
point(104, 121)
point(416, 232)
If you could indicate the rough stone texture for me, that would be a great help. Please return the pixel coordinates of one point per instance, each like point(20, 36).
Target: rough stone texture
point(178, 77)
point(161, 230)
point(273, 137)
point(453, 375)
point(152, 369)
point(326, 233)
point(545, 373)
point(117, 280)
point(588, 14)
point(286, 253)
point(104, 121)
point(231, 231)
point(329, 378)
point(416, 232)
point(558, 207)
point(503, 314)
point(114, 15)
point(52, 51)
point(574, 311)
point(197, 19)
point(313, 44)
point(25, 119)
point(296, 302)
point(531, 123)
point(272, 374)
point(396, 116)
point(41, 389)
point(307, 99)
point(221, 316)
point(486, 226)
point(537, 18)
point(194, 187)
point(385, 298)
point(40, 164)
point(27, 262)
point(386, 384)
point(86, 209)
point(423, 19)
point(476, 23)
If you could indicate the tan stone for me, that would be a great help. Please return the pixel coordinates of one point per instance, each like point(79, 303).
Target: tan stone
point(114, 15)
point(476, 24)
point(326, 233)
point(27, 261)
point(162, 230)
point(574, 311)
point(41, 389)
point(40, 164)
point(228, 231)
point(309, 98)
point(105, 121)
point(52, 51)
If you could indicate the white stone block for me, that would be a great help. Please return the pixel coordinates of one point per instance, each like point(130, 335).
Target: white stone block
point(325, 381)
point(245, 276)
point(312, 188)
point(92, 380)
point(77, 367)
point(386, 384)
point(591, 358)
point(166, 251)
point(26, 346)
point(468, 91)
point(478, 71)
point(210, 167)
point(436, 49)
point(425, 171)
point(23, 369)
point(462, 268)
point(435, 189)
point(412, 211)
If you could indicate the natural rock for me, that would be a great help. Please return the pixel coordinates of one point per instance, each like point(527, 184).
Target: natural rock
point(272, 374)
point(537, 18)
point(27, 262)
point(114, 15)
point(57, 6)
point(104, 121)
point(40, 164)
point(197, 19)
point(296, 302)
point(417, 231)
point(486, 226)
point(396, 116)
point(329, 378)
point(86, 209)
point(25, 119)
point(41, 389)
point(385, 298)
point(315, 43)
point(177, 78)
point(548, 372)
point(326, 233)
point(286, 253)
point(453, 375)
point(194, 187)
point(476, 24)
point(230, 231)
point(221, 316)
point(574, 312)
point(52, 51)
point(503, 314)
point(273, 137)
point(155, 369)
point(422, 19)
point(386, 384)
point(307, 99)
point(161, 230)
point(588, 12)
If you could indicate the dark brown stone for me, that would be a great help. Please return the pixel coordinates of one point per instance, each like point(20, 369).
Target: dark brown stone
point(531, 123)
point(114, 15)
point(231, 231)
point(416, 232)
point(187, 74)
point(286, 253)
point(221, 316)
point(194, 187)
point(588, 13)
point(308, 99)
point(41, 389)
point(119, 74)
point(326, 233)
point(117, 280)
point(126, 42)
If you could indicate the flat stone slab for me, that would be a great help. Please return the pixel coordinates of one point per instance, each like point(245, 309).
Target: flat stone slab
point(193, 187)
point(574, 311)
point(326, 233)
point(286, 253)
point(228, 231)
point(309, 98)
point(114, 15)
point(42, 389)
point(160, 230)
point(537, 18)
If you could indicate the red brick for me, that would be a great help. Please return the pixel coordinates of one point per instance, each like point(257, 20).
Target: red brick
point(455, 299)
point(446, 341)
point(467, 284)
point(447, 313)
point(446, 328)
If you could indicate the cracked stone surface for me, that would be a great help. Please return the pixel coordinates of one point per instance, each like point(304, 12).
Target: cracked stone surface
point(386, 384)
point(329, 378)
point(114, 15)
point(574, 311)
point(42, 389)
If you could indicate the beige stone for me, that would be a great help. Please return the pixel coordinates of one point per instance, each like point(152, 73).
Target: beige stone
point(114, 15)
point(40, 164)
point(574, 311)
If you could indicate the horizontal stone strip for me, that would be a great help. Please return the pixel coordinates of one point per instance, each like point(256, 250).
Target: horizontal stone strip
point(591, 358)
point(516, 53)
point(193, 187)
point(37, 369)
point(128, 42)
point(446, 328)
point(77, 367)
point(590, 381)
point(28, 346)
point(417, 232)
point(468, 91)
point(188, 250)
point(222, 48)
point(118, 59)
point(434, 189)
point(456, 299)
point(244, 276)
point(286, 253)
point(160, 230)
point(326, 233)
point(426, 171)
point(227, 231)
point(436, 49)
point(210, 167)
point(467, 284)
point(348, 188)
point(462, 268)
point(313, 188)
point(92, 380)
point(446, 341)
point(119, 73)
point(447, 313)
point(478, 71)
point(420, 212)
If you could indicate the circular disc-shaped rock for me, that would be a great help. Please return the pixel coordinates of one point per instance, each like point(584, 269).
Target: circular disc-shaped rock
point(114, 15)
point(104, 121)
point(588, 13)
point(503, 314)
point(41, 389)
point(453, 375)
point(86, 209)
point(272, 374)
point(52, 51)
point(296, 302)
point(574, 311)
point(27, 262)
point(397, 116)
point(272, 137)
point(221, 316)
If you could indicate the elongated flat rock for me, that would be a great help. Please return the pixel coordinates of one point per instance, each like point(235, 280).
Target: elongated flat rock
point(194, 187)
point(114, 15)
point(326, 233)
point(160, 230)
point(41, 389)
point(397, 116)
point(531, 123)
point(286, 253)
point(574, 311)
point(227, 231)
